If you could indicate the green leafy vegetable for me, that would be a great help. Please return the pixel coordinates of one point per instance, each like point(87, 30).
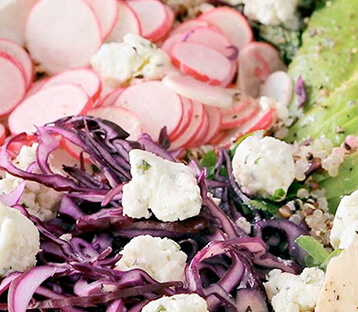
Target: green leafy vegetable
point(316, 254)
point(278, 195)
point(263, 205)
point(287, 41)
point(313, 248)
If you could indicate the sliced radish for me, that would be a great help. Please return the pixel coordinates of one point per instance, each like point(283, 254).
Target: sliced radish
point(107, 14)
point(111, 98)
point(153, 18)
point(211, 38)
point(84, 77)
point(231, 23)
point(155, 104)
point(201, 62)
point(207, 36)
point(194, 126)
point(279, 86)
point(188, 25)
point(199, 137)
point(218, 137)
point(127, 22)
point(48, 105)
point(214, 123)
point(36, 86)
point(171, 41)
point(123, 117)
point(75, 151)
point(2, 134)
point(170, 16)
point(238, 119)
point(120, 116)
point(199, 91)
point(230, 137)
point(13, 16)
point(16, 51)
point(62, 35)
point(12, 83)
point(261, 121)
point(257, 61)
point(240, 103)
point(185, 120)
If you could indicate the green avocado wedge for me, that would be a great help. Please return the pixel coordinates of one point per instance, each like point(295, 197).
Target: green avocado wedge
point(328, 63)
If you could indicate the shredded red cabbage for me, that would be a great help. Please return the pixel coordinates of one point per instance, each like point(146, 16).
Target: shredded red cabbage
point(79, 248)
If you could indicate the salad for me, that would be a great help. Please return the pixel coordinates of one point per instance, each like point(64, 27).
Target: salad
point(159, 156)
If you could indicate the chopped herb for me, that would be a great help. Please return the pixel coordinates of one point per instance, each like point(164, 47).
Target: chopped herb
point(278, 195)
point(316, 252)
point(143, 167)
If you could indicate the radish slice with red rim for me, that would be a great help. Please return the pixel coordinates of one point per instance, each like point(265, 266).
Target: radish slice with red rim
point(13, 16)
point(36, 86)
point(214, 123)
point(2, 134)
point(123, 117)
point(171, 41)
point(107, 14)
point(111, 98)
point(240, 103)
point(171, 18)
point(153, 18)
point(202, 62)
point(199, 91)
point(195, 125)
point(279, 86)
point(188, 25)
point(218, 137)
point(238, 119)
point(257, 61)
point(211, 38)
point(155, 104)
point(17, 52)
point(262, 121)
point(231, 23)
point(12, 83)
point(84, 77)
point(48, 105)
point(199, 137)
point(62, 35)
point(127, 22)
point(185, 121)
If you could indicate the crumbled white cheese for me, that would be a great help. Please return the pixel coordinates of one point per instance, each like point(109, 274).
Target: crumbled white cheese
point(167, 189)
point(243, 224)
point(345, 223)
point(38, 199)
point(271, 12)
point(119, 64)
point(263, 165)
point(19, 241)
point(294, 293)
point(161, 258)
point(281, 110)
point(177, 303)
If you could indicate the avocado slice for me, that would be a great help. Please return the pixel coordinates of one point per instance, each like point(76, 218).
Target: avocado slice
point(328, 116)
point(328, 63)
point(345, 183)
point(327, 59)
